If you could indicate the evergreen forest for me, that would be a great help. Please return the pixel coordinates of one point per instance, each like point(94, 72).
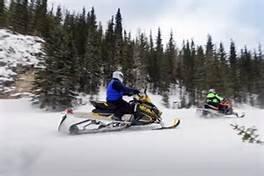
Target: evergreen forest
point(80, 57)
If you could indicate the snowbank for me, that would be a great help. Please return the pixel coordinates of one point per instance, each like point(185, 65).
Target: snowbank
point(16, 50)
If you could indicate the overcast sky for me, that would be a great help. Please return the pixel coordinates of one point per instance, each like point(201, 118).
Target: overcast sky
point(239, 20)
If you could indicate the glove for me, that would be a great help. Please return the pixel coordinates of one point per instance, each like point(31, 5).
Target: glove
point(136, 91)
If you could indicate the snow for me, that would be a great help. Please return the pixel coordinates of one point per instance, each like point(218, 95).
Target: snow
point(17, 49)
point(31, 146)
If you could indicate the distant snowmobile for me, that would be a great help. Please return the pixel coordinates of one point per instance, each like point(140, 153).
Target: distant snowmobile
point(99, 120)
point(225, 109)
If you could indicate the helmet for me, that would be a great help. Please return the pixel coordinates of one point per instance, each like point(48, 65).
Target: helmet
point(211, 91)
point(118, 75)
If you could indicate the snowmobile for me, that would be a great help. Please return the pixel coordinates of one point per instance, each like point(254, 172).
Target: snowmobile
point(224, 109)
point(99, 120)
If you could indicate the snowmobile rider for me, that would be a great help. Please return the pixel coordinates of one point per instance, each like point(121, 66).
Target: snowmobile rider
point(213, 100)
point(114, 96)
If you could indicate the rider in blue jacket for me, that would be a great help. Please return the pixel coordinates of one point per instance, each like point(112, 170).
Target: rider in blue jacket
point(114, 95)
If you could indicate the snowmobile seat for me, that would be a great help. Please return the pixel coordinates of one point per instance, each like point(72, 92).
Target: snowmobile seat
point(102, 107)
point(103, 112)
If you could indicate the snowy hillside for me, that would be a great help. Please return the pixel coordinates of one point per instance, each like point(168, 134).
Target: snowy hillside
point(31, 146)
point(16, 51)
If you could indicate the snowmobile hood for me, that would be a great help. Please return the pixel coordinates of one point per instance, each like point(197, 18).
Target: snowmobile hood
point(145, 98)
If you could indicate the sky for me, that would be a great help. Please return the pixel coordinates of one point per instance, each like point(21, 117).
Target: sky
point(225, 20)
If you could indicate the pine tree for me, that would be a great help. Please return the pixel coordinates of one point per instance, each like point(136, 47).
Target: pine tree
point(41, 21)
point(126, 67)
point(180, 68)
point(129, 56)
point(55, 81)
point(157, 61)
point(171, 59)
point(18, 16)
point(188, 69)
point(118, 25)
point(167, 70)
point(92, 58)
point(58, 17)
point(245, 75)
point(259, 60)
point(2, 13)
point(109, 64)
point(10, 14)
point(211, 65)
point(24, 16)
point(192, 91)
point(151, 63)
point(140, 61)
point(80, 41)
point(224, 72)
point(81, 33)
point(118, 34)
point(234, 72)
point(199, 75)
point(31, 14)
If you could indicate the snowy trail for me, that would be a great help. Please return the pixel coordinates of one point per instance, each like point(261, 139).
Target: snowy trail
point(31, 146)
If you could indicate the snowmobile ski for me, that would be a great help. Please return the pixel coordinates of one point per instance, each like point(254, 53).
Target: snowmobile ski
point(175, 123)
point(240, 115)
point(210, 112)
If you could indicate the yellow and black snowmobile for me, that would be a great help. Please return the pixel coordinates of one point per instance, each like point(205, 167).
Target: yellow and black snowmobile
point(99, 120)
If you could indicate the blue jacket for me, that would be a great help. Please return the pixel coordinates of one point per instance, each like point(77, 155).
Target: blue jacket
point(116, 90)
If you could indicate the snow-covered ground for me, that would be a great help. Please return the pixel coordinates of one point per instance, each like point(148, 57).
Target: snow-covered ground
point(31, 146)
